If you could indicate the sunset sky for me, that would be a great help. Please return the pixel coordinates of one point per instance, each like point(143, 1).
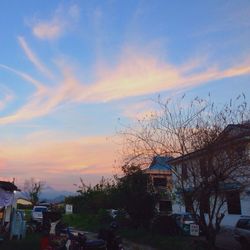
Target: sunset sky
point(70, 69)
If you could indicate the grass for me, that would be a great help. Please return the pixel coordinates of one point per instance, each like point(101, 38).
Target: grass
point(27, 214)
point(31, 242)
point(82, 221)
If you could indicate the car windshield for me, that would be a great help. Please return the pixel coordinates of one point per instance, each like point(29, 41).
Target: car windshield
point(40, 209)
point(244, 223)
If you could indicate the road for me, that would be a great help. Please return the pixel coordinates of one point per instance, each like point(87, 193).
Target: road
point(225, 240)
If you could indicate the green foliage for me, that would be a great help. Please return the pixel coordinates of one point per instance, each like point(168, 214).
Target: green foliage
point(92, 199)
point(136, 197)
point(27, 213)
point(130, 193)
point(86, 221)
point(103, 216)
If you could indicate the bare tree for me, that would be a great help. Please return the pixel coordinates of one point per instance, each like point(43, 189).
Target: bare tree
point(207, 177)
point(32, 190)
point(180, 128)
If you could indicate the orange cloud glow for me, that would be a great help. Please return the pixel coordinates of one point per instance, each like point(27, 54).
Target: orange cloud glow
point(135, 74)
point(46, 153)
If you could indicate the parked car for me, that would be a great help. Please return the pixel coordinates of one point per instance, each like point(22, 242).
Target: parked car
point(37, 213)
point(184, 220)
point(242, 232)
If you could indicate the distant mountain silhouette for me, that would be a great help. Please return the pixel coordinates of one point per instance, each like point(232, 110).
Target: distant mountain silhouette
point(49, 194)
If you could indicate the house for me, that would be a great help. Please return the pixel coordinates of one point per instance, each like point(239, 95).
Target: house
point(23, 202)
point(231, 150)
point(161, 179)
point(7, 202)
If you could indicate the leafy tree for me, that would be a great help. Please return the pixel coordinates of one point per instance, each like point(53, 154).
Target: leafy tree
point(131, 193)
point(92, 199)
point(136, 196)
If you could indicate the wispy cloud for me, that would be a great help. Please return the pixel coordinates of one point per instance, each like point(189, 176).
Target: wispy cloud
point(138, 110)
point(5, 97)
point(39, 86)
point(33, 58)
point(141, 74)
point(57, 25)
point(135, 74)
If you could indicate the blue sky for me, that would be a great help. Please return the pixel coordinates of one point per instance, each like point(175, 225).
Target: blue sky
point(70, 69)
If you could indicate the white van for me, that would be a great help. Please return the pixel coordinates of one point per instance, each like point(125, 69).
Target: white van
point(37, 212)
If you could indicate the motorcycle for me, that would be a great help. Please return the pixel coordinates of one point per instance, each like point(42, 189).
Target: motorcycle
point(58, 236)
point(80, 242)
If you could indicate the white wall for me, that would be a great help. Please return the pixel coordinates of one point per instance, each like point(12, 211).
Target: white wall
point(177, 208)
point(229, 220)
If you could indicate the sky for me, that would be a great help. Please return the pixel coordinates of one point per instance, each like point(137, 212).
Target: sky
point(71, 70)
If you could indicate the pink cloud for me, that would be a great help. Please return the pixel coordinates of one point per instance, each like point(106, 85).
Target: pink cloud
point(139, 110)
point(48, 30)
point(61, 21)
point(135, 74)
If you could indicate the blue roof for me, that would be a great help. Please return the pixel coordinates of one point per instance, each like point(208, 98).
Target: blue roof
point(160, 163)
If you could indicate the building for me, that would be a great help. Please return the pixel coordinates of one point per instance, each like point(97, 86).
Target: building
point(23, 202)
point(161, 179)
point(7, 202)
point(230, 151)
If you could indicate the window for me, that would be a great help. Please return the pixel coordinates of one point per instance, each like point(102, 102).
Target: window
point(233, 202)
point(40, 209)
point(160, 182)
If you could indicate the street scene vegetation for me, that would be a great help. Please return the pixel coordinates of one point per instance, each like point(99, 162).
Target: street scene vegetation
point(176, 129)
point(125, 125)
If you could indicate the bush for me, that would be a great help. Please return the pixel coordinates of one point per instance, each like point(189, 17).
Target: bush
point(103, 216)
point(123, 218)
